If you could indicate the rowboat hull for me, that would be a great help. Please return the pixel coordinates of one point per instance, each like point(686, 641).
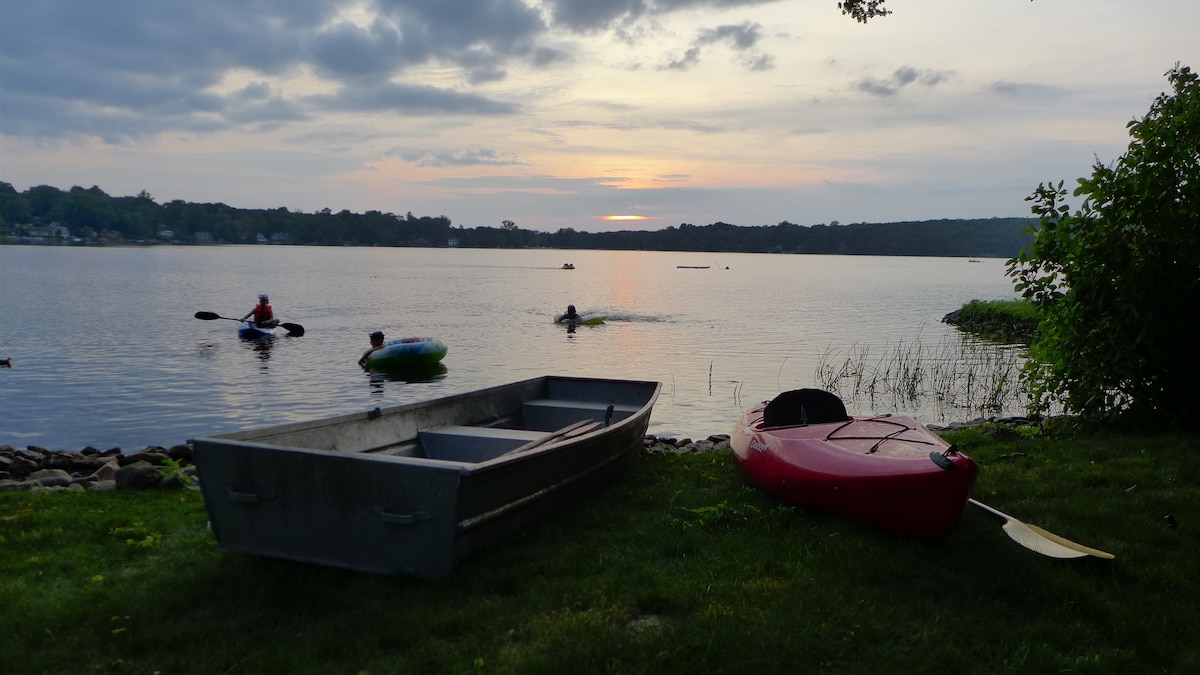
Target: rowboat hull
point(414, 489)
point(888, 471)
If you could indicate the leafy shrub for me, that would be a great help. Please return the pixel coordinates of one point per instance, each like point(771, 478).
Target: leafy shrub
point(1119, 279)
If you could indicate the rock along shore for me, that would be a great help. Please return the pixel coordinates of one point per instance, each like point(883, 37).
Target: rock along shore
point(37, 468)
point(156, 467)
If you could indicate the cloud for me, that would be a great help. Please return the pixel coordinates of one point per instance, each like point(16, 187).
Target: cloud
point(586, 16)
point(741, 37)
point(136, 70)
point(1024, 90)
point(900, 78)
point(686, 62)
point(407, 99)
point(139, 69)
point(349, 51)
point(423, 157)
point(590, 16)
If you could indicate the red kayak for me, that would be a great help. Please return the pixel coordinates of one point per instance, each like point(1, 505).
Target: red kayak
point(889, 471)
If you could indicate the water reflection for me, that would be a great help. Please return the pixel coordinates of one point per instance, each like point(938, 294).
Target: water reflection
point(261, 346)
point(411, 375)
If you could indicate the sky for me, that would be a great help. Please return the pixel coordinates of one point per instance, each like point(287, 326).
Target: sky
point(594, 115)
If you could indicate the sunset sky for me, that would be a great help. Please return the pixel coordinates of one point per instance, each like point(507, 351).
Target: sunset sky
point(586, 114)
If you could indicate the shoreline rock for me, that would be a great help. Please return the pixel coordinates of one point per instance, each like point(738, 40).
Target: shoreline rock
point(37, 468)
point(668, 445)
point(156, 467)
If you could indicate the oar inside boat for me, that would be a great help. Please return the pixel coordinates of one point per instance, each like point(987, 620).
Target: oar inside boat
point(570, 431)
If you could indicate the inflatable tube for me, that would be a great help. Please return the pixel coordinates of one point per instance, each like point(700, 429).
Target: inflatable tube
point(583, 320)
point(407, 353)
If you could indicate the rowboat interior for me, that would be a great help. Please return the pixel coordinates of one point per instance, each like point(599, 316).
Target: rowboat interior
point(415, 488)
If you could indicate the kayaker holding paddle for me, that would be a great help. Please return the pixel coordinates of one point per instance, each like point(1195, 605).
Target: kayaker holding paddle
point(264, 317)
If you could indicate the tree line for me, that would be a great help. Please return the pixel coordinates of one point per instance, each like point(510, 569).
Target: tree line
point(90, 216)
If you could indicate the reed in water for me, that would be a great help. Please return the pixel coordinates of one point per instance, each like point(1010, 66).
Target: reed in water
point(950, 376)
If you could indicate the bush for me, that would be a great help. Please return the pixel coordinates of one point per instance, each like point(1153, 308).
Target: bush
point(1119, 279)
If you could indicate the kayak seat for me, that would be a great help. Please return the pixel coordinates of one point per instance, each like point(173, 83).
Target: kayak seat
point(801, 407)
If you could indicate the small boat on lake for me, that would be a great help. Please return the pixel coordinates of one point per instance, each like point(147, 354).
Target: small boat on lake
point(888, 471)
point(251, 330)
point(248, 330)
point(414, 489)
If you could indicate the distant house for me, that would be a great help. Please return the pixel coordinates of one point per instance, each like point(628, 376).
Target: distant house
point(261, 239)
point(166, 235)
point(51, 231)
point(203, 238)
point(452, 242)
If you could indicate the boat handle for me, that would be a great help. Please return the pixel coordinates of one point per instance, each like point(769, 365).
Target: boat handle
point(942, 460)
point(250, 497)
point(402, 518)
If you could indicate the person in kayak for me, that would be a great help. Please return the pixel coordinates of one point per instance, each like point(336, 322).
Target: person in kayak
point(376, 345)
point(264, 317)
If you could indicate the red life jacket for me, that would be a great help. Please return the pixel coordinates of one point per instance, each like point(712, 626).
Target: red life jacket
point(263, 313)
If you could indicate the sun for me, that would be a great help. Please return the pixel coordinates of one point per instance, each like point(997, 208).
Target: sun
point(624, 217)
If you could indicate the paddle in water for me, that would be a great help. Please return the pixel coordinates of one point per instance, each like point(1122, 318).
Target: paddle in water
point(293, 329)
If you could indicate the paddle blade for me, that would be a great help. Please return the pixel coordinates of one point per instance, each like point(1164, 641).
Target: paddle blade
point(1040, 541)
point(207, 316)
point(1052, 545)
point(1032, 540)
point(293, 329)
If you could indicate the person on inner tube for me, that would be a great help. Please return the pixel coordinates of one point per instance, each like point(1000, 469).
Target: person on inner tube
point(571, 314)
point(376, 345)
point(264, 317)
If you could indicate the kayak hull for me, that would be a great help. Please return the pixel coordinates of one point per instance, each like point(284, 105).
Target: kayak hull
point(410, 352)
point(249, 331)
point(889, 471)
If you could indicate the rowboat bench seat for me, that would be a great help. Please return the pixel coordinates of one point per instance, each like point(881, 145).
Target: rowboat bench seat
point(473, 444)
point(548, 414)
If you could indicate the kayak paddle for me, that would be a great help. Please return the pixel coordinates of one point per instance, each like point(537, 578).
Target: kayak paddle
point(1038, 540)
point(293, 329)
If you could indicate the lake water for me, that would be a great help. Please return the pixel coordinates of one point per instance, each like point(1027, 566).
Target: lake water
point(106, 351)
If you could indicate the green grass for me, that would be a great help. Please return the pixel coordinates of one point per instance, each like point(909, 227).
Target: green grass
point(1014, 321)
point(677, 568)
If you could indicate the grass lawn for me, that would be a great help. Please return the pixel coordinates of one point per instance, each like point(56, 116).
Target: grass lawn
point(676, 568)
